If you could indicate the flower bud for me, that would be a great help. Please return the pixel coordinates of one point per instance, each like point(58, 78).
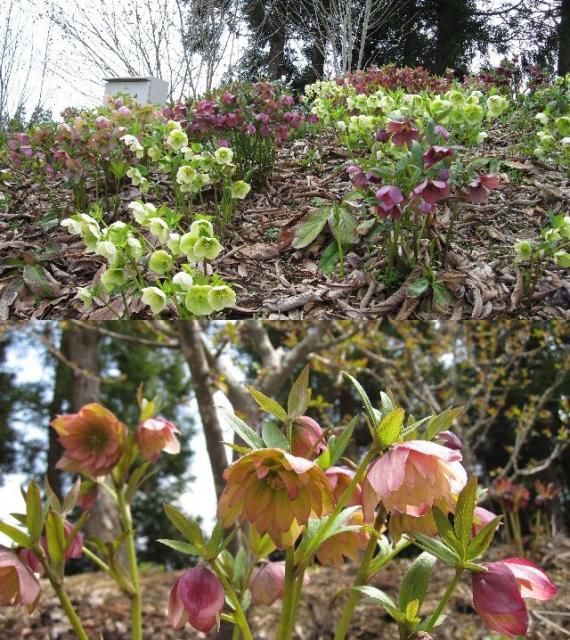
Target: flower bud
point(18, 585)
point(197, 597)
point(155, 298)
point(267, 583)
point(155, 435)
point(308, 440)
point(450, 440)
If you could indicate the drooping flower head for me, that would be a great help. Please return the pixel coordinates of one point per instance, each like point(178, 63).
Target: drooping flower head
point(389, 199)
point(499, 592)
point(276, 492)
point(75, 548)
point(479, 188)
point(339, 479)
point(18, 585)
point(435, 154)
point(481, 517)
point(412, 477)
point(403, 132)
point(432, 191)
point(450, 440)
point(344, 545)
point(155, 435)
point(93, 439)
point(197, 597)
point(308, 439)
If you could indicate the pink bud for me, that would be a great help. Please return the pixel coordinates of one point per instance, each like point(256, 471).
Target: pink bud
point(499, 591)
point(481, 518)
point(267, 583)
point(155, 435)
point(450, 440)
point(18, 585)
point(197, 597)
point(308, 438)
point(75, 548)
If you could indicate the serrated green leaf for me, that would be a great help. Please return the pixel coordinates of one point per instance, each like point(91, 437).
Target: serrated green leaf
point(182, 547)
point(338, 445)
point(388, 431)
point(329, 258)
point(318, 531)
point(416, 288)
point(383, 599)
point(53, 501)
point(310, 228)
point(416, 581)
point(464, 511)
point(445, 529)
point(483, 539)
point(244, 431)
point(437, 548)
point(267, 404)
point(300, 395)
point(189, 528)
point(368, 408)
point(273, 436)
point(15, 534)
point(441, 422)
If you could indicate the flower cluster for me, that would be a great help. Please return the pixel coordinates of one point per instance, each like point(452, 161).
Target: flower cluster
point(158, 260)
point(554, 244)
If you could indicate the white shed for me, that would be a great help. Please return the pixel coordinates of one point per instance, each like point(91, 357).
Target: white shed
point(146, 89)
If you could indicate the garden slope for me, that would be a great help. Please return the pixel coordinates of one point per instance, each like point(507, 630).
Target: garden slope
point(41, 264)
point(103, 611)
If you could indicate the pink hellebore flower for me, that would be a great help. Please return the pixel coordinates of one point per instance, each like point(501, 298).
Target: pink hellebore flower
point(450, 440)
point(432, 191)
point(435, 154)
point(389, 198)
point(481, 518)
point(308, 439)
point(93, 440)
point(30, 559)
point(339, 478)
point(413, 476)
point(480, 187)
point(357, 176)
point(442, 131)
point(499, 592)
point(403, 132)
point(75, 549)
point(155, 435)
point(18, 585)
point(197, 597)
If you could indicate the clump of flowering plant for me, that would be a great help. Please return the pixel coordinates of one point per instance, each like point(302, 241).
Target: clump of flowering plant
point(407, 488)
point(106, 456)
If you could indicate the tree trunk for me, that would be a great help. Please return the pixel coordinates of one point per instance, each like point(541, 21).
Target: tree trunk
point(193, 351)
point(564, 38)
point(61, 385)
point(276, 54)
point(104, 519)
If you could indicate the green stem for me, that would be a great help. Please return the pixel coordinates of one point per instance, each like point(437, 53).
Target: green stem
point(136, 598)
point(287, 611)
point(95, 559)
point(360, 579)
point(440, 607)
point(62, 596)
point(239, 615)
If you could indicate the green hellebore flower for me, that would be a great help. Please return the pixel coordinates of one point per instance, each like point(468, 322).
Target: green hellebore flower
point(159, 228)
point(135, 248)
point(187, 243)
point(202, 228)
point(523, 249)
point(186, 175)
point(85, 296)
point(174, 244)
point(108, 250)
point(221, 297)
point(562, 259)
point(113, 278)
point(154, 153)
point(240, 189)
point(197, 302)
point(473, 113)
point(155, 298)
point(455, 97)
point(117, 231)
point(207, 248)
point(563, 125)
point(223, 155)
point(160, 262)
point(496, 106)
point(177, 139)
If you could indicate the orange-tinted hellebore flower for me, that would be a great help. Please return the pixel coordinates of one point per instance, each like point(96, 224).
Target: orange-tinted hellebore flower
point(275, 492)
point(155, 435)
point(18, 585)
point(197, 597)
point(93, 439)
point(499, 592)
point(347, 544)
